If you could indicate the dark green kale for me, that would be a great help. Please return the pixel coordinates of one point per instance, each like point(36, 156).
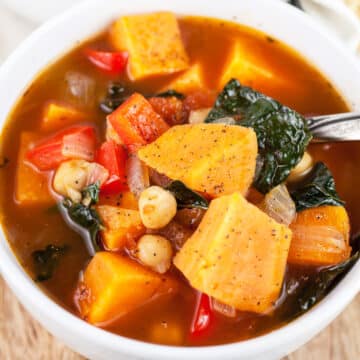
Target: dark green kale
point(87, 218)
point(317, 189)
point(282, 133)
point(90, 195)
point(185, 197)
point(170, 93)
point(305, 290)
point(323, 282)
point(115, 96)
point(46, 261)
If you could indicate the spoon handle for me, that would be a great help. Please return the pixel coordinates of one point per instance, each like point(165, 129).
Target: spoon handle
point(337, 127)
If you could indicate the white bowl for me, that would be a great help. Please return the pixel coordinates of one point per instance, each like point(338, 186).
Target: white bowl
point(60, 35)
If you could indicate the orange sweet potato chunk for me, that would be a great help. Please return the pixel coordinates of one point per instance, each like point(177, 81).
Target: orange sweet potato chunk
point(56, 116)
point(216, 159)
point(190, 80)
point(153, 42)
point(251, 69)
point(122, 226)
point(32, 187)
point(237, 255)
point(320, 236)
point(114, 285)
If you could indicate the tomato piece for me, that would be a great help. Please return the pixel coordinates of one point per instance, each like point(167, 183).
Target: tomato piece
point(136, 122)
point(203, 316)
point(73, 143)
point(114, 62)
point(113, 157)
point(170, 108)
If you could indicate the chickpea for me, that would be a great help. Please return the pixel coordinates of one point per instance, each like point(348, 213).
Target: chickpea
point(301, 169)
point(72, 176)
point(156, 252)
point(157, 207)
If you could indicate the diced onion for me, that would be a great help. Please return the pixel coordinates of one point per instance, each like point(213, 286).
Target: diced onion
point(279, 205)
point(318, 239)
point(81, 89)
point(137, 175)
point(301, 169)
point(198, 116)
point(225, 120)
point(223, 309)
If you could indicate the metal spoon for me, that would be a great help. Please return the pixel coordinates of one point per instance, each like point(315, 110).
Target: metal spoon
point(336, 127)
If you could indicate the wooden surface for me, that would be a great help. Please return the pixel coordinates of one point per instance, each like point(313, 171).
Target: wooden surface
point(21, 337)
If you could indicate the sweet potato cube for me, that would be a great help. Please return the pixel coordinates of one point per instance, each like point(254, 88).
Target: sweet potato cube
point(153, 42)
point(189, 80)
point(125, 200)
point(237, 255)
point(122, 226)
point(320, 236)
point(249, 69)
point(57, 116)
point(32, 187)
point(114, 285)
point(136, 122)
point(216, 159)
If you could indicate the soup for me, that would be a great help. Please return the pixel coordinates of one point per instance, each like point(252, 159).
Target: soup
point(106, 196)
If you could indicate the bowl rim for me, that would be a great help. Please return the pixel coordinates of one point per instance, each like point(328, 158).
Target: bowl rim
point(21, 283)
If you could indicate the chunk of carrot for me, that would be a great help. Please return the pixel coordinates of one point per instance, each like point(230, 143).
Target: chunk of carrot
point(122, 226)
point(237, 255)
point(153, 42)
point(320, 236)
point(114, 285)
point(136, 122)
point(216, 159)
point(57, 116)
point(31, 187)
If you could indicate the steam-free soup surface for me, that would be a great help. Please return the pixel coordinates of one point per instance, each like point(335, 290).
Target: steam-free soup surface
point(208, 42)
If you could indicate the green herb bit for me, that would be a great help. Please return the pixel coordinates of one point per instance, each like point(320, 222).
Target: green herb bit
point(185, 197)
point(90, 195)
point(46, 261)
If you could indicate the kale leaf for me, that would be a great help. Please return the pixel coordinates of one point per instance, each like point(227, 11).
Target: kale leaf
point(87, 218)
point(317, 189)
point(116, 95)
point(170, 93)
point(323, 282)
point(46, 260)
point(90, 195)
point(185, 197)
point(306, 290)
point(282, 133)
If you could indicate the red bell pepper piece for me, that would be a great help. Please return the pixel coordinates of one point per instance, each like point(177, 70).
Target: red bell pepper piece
point(77, 142)
point(137, 123)
point(114, 62)
point(113, 157)
point(203, 316)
